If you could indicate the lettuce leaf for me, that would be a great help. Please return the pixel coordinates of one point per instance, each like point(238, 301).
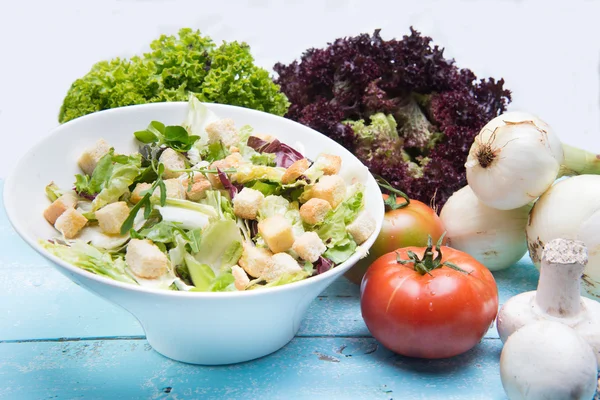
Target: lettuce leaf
point(90, 259)
point(248, 172)
point(332, 230)
point(220, 203)
point(54, 192)
point(273, 205)
point(341, 251)
point(221, 245)
point(110, 180)
point(198, 118)
point(201, 274)
point(204, 278)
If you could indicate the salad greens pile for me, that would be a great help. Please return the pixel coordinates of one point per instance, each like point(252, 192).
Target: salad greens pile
point(174, 68)
point(205, 206)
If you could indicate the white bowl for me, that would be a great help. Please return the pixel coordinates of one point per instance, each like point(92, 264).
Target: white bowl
point(199, 328)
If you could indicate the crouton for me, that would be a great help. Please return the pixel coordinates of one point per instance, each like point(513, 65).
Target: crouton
point(145, 259)
point(309, 246)
point(175, 189)
point(314, 211)
point(231, 161)
point(70, 223)
point(331, 188)
point(197, 190)
point(224, 131)
point(59, 206)
point(255, 260)
point(174, 186)
point(282, 263)
point(277, 233)
point(90, 157)
point(241, 279)
point(139, 192)
point(111, 217)
point(247, 202)
point(330, 164)
point(294, 171)
point(172, 161)
point(362, 227)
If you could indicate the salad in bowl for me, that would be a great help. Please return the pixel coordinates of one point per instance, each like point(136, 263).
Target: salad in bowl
point(198, 219)
point(208, 206)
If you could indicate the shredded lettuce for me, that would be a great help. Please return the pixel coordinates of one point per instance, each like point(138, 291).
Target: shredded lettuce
point(219, 203)
point(198, 118)
point(204, 278)
point(341, 251)
point(209, 211)
point(53, 191)
point(188, 219)
point(284, 279)
point(90, 259)
point(221, 245)
point(332, 230)
point(202, 275)
point(273, 205)
point(111, 178)
point(248, 172)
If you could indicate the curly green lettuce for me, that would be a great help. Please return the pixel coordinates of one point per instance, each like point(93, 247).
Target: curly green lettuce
point(174, 68)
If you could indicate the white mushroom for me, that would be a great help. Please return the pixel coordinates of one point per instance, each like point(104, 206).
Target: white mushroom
point(557, 297)
point(548, 360)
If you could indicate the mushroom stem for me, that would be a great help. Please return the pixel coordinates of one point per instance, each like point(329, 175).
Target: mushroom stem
point(563, 262)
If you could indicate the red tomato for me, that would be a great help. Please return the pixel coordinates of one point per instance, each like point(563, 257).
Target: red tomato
point(403, 227)
point(438, 314)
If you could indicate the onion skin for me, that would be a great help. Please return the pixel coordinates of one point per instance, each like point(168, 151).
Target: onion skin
point(570, 210)
point(495, 238)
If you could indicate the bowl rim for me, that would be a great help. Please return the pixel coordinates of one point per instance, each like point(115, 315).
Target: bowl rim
point(9, 204)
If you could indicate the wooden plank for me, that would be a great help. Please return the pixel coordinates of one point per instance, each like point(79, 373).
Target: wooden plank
point(307, 368)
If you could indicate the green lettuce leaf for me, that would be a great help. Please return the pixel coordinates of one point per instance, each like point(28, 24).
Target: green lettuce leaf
point(221, 245)
point(284, 279)
point(267, 159)
point(90, 259)
point(213, 152)
point(174, 68)
point(248, 172)
point(341, 251)
point(273, 205)
point(221, 204)
point(332, 230)
point(53, 191)
point(201, 274)
point(111, 178)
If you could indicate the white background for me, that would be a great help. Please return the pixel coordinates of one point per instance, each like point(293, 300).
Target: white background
point(547, 51)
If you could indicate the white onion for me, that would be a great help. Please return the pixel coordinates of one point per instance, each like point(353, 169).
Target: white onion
point(514, 159)
point(570, 210)
point(495, 238)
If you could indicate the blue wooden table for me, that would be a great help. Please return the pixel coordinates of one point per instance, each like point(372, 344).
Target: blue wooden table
point(58, 341)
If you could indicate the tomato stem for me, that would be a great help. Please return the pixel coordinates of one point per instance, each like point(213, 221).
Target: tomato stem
point(390, 202)
point(427, 264)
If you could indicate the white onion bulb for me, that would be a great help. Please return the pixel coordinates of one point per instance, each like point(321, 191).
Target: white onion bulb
point(570, 210)
point(514, 159)
point(495, 238)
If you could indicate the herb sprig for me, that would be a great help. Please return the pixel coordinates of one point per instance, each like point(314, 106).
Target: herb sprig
point(146, 201)
point(173, 136)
